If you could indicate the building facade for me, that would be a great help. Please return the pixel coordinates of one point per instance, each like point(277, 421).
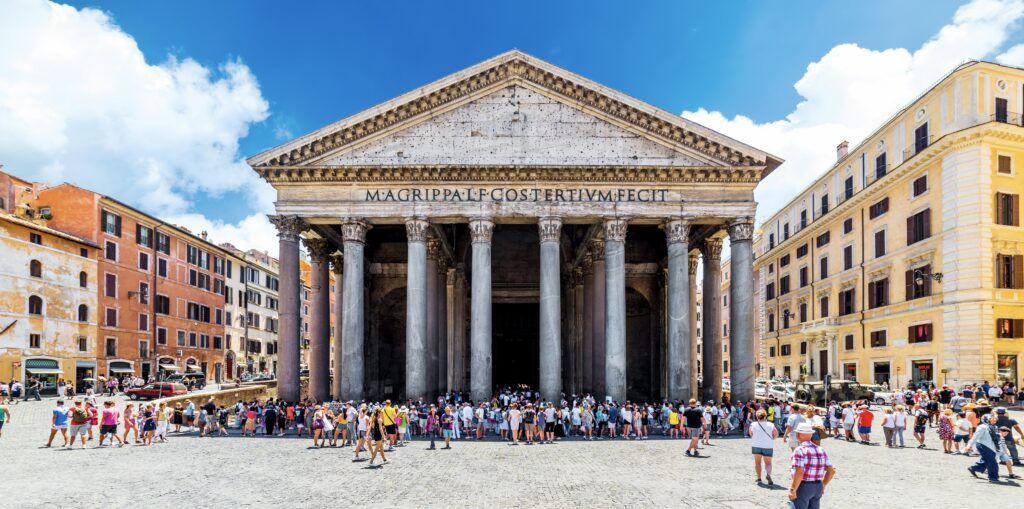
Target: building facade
point(902, 263)
point(514, 173)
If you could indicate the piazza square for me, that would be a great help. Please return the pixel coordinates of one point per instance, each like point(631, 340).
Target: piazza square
point(503, 277)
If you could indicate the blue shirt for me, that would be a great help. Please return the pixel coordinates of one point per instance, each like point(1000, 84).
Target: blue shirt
point(61, 416)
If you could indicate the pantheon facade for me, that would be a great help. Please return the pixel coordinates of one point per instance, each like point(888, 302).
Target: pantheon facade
point(515, 224)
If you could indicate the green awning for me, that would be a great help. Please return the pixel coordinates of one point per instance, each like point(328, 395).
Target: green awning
point(42, 366)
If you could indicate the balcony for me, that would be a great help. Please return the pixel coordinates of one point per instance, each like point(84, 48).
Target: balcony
point(1007, 117)
point(820, 325)
point(919, 145)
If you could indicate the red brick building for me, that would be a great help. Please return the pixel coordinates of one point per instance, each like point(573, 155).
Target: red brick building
point(161, 288)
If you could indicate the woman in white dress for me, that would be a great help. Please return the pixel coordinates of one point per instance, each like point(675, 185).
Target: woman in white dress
point(514, 418)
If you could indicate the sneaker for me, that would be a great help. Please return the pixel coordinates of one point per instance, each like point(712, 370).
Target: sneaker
point(975, 474)
point(770, 483)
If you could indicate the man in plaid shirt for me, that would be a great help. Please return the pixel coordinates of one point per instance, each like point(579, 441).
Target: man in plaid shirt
point(812, 470)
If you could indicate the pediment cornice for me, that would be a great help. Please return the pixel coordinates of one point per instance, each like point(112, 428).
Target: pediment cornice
point(516, 68)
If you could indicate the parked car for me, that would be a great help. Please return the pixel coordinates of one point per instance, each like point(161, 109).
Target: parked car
point(156, 390)
point(839, 390)
point(760, 388)
point(180, 378)
point(882, 396)
point(782, 392)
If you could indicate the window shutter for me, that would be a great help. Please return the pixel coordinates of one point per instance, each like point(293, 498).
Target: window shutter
point(911, 337)
point(1018, 271)
point(1018, 328)
point(871, 294)
point(999, 271)
point(910, 231)
point(1015, 210)
point(927, 224)
point(117, 225)
point(909, 276)
point(999, 208)
point(927, 271)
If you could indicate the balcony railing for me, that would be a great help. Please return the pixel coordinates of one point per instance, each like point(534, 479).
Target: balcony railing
point(820, 324)
point(1008, 118)
point(918, 146)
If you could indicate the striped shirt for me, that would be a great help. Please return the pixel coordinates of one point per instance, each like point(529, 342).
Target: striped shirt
point(812, 459)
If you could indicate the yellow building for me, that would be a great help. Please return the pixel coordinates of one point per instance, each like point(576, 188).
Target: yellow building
point(48, 303)
point(903, 262)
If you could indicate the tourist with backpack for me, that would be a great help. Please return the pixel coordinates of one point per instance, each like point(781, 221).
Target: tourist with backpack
point(79, 424)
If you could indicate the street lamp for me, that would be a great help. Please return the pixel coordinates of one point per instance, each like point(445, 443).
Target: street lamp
point(921, 276)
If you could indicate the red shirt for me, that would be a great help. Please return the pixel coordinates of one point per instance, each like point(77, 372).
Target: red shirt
point(864, 418)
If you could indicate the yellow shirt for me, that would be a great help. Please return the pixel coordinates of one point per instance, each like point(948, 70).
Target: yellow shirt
point(389, 415)
point(673, 418)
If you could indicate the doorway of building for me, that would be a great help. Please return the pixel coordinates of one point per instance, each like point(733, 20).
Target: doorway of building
point(822, 364)
point(515, 349)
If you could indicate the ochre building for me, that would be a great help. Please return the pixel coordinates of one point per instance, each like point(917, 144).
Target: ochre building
point(903, 262)
point(515, 224)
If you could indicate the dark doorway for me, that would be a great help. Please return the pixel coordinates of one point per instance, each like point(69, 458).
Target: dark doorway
point(514, 348)
point(822, 364)
point(642, 362)
point(384, 374)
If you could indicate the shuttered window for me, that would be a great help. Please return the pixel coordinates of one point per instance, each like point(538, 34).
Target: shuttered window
point(878, 208)
point(878, 293)
point(1009, 328)
point(920, 185)
point(919, 333)
point(919, 226)
point(918, 283)
point(878, 339)
point(1005, 165)
point(1009, 271)
point(879, 244)
point(1007, 209)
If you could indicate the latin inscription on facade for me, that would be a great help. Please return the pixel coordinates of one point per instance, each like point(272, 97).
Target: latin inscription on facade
point(510, 194)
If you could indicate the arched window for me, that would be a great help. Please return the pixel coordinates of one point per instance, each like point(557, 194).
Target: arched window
point(35, 305)
point(83, 279)
point(83, 313)
point(35, 268)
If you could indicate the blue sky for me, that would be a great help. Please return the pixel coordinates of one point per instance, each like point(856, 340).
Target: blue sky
point(306, 64)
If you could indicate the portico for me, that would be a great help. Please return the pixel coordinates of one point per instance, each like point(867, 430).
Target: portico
point(515, 218)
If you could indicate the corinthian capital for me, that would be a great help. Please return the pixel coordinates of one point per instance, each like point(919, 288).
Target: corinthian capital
point(354, 230)
point(416, 229)
point(288, 227)
point(676, 230)
point(318, 249)
point(741, 229)
point(694, 260)
point(615, 229)
point(550, 228)
point(481, 229)
point(712, 250)
point(337, 262)
point(596, 249)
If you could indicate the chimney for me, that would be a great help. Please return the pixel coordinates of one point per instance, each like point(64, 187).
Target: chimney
point(203, 234)
point(842, 150)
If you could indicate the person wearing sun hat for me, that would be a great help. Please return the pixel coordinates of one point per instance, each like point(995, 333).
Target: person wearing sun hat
point(812, 470)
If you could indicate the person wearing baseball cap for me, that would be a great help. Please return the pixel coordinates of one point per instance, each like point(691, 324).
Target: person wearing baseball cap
point(812, 470)
point(1004, 420)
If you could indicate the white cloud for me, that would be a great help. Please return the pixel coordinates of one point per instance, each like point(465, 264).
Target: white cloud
point(1012, 56)
point(851, 91)
point(79, 103)
point(254, 231)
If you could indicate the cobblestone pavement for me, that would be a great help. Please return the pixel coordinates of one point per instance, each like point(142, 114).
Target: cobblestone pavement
point(234, 471)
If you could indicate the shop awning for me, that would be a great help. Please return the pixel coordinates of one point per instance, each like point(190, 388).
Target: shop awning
point(169, 367)
point(42, 366)
point(120, 367)
point(190, 367)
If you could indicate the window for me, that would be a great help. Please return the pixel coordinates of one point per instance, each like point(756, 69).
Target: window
point(144, 261)
point(771, 351)
point(769, 291)
point(143, 349)
point(162, 305)
point(143, 236)
point(204, 341)
point(771, 322)
point(921, 333)
point(111, 223)
point(181, 338)
point(35, 238)
point(848, 342)
point(822, 239)
point(823, 267)
point(163, 243)
point(848, 257)
point(848, 225)
point(918, 283)
point(35, 268)
point(920, 185)
point(847, 304)
point(878, 339)
point(110, 251)
point(111, 350)
point(879, 243)
point(83, 313)
point(803, 312)
point(192, 339)
point(784, 261)
point(803, 348)
point(785, 231)
point(878, 293)
point(83, 344)
point(921, 138)
point(35, 341)
point(785, 350)
point(111, 317)
point(823, 307)
point(143, 322)
point(219, 317)
point(217, 343)
point(83, 252)
point(1004, 165)
point(824, 204)
point(1007, 209)
point(784, 285)
point(1002, 114)
point(771, 241)
point(1009, 328)
point(880, 166)
point(801, 251)
point(803, 277)
point(83, 279)
point(919, 226)
point(161, 267)
point(35, 305)
point(1009, 271)
point(878, 208)
point(803, 219)
point(110, 285)
point(161, 336)
point(848, 187)
point(771, 268)
point(725, 330)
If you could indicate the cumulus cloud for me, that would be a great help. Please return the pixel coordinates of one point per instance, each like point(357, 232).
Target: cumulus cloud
point(851, 91)
point(80, 103)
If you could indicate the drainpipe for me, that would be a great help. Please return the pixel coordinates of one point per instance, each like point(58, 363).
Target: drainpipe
point(156, 264)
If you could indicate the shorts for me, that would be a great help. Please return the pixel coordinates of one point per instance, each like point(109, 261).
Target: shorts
point(694, 432)
point(919, 429)
point(391, 429)
point(763, 451)
point(848, 426)
point(77, 429)
point(59, 426)
point(864, 429)
point(549, 427)
point(961, 438)
point(108, 428)
point(448, 433)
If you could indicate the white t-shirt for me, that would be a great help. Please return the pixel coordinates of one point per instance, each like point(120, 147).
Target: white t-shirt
point(994, 392)
point(761, 435)
point(794, 421)
point(963, 427)
point(888, 421)
point(849, 415)
point(549, 414)
point(627, 416)
point(900, 419)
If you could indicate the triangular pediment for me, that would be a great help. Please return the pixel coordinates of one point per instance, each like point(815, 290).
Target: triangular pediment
point(514, 109)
